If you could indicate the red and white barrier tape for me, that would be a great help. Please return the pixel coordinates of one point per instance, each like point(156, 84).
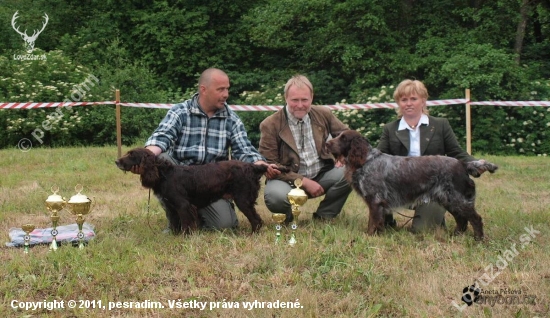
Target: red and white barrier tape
point(277, 107)
point(147, 105)
point(512, 103)
point(333, 107)
point(49, 105)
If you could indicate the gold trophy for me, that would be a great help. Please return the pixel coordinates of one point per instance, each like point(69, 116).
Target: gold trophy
point(27, 228)
point(297, 197)
point(278, 218)
point(79, 205)
point(54, 204)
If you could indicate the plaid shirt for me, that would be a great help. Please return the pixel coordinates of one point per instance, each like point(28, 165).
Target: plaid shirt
point(310, 163)
point(192, 138)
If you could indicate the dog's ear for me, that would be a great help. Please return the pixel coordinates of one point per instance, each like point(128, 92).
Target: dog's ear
point(149, 171)
point(358, 151)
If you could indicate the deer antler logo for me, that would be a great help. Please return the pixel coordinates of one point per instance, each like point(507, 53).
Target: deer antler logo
point(29, 40)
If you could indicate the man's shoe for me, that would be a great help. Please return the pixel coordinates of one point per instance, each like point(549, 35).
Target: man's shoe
point(390, 222)
point(317, 217)
point(289, 218)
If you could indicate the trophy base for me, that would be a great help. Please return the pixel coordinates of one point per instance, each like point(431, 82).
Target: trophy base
point(292, 241)
point(53, 245)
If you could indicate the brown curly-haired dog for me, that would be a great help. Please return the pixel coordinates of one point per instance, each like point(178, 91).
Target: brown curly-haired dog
point(182, 190)
point(385, 182)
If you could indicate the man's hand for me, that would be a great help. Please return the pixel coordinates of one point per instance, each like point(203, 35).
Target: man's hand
point(155, 149)
point(272, 170)
point(312, 188)
point(136, 169)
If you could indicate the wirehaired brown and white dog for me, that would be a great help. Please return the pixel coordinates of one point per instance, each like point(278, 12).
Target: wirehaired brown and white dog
point(386, 182)
point(182, 190)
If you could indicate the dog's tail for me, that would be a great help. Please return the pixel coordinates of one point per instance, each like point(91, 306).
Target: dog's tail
point(478, 167)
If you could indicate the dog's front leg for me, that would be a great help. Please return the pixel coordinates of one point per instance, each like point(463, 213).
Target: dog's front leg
point(477, 224)
point(189, 218)
point(376, 218)
point(466, 214)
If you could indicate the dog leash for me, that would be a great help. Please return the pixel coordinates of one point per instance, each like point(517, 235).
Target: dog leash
point(406, 216)
point(148, 214)
point(148, 201)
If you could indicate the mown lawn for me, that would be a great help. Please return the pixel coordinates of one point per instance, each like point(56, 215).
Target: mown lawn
point(335, 270)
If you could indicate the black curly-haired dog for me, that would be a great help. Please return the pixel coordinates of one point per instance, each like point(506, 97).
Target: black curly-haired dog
point(182, 190)
point(385, 182)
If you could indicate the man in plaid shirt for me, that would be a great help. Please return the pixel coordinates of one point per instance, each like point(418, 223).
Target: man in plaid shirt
point(203, 130)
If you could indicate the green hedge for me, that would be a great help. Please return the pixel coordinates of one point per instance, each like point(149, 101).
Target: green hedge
point(495, 130)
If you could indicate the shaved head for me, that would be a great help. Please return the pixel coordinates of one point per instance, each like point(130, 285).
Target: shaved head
point(213, 90)
point(206, 76)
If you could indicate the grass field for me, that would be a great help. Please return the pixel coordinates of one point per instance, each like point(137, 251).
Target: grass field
point(335, 270)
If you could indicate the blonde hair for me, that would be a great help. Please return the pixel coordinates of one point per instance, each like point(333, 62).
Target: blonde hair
point(298, 81)
point(407, 88)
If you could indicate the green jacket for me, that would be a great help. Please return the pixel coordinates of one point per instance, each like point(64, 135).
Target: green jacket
point(437, 138)
point(277, 144)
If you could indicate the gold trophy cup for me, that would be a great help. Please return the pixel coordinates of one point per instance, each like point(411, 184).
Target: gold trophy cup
point(278, 218)
point(79, 205)
point(27, 228)
point(297, 197)
point(54, 204)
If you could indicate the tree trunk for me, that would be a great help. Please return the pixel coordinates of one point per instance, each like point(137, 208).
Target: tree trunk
point(520, 31)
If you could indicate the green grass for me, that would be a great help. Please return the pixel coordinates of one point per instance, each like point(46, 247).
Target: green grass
point(335, 270)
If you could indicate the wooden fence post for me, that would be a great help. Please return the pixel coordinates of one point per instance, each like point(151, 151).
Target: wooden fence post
point(118, 124)
point(468, 123)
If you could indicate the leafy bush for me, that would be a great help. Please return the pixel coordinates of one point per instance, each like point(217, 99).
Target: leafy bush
point(495, 130)
point(58, 79)
point(268, 95)
point(369, 122)
point(52, 80)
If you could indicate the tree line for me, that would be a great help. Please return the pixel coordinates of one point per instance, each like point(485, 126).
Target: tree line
point(352, 50)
